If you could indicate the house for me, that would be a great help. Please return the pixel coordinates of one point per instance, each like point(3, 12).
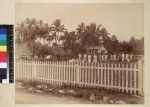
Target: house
point(95, 50)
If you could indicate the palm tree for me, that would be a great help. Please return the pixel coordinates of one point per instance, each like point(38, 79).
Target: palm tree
point(20, 32)
point(95, 29)
point(80, 29)
point(57, 30)
point(31, 29)
point(88, 35)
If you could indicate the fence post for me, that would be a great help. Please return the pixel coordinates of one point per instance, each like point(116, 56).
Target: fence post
point(140, 76)
point(123, 57)
point(126, 57)
point(114, 57)
point(99, 57)
point(89, 58)
point(95, 58)
point(78, 73)
point(131, 57)
point(102, 58)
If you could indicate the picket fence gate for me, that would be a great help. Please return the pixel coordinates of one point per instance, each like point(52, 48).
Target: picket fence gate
point(119, 76)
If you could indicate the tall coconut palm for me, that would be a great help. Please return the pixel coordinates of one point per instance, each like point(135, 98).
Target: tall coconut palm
point(89, 36)
point(94, 28)
point(57, 30)
point(80, 31)
point(20, 32)
point(31, 29)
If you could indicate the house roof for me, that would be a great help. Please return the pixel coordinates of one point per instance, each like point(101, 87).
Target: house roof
point(96, 47)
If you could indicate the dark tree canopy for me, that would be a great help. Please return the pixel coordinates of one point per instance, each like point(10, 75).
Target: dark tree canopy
point(73, 42)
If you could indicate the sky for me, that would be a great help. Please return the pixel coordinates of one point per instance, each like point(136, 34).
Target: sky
point(122, 20)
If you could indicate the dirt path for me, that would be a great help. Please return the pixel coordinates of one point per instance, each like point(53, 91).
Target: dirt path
point(30, 94)
point(31, 98)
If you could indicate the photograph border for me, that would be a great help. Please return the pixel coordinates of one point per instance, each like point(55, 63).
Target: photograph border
point(103, 1)
point(10, 20)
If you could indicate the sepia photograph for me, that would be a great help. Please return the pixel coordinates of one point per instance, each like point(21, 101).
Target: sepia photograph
point(79, 53)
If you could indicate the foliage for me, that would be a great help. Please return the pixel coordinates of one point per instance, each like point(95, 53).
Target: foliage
point(39, 50)
point(57, 30)
point(29, 30)
point(72, 43)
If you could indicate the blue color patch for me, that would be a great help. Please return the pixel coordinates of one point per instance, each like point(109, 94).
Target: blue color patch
point(3, 37)
point(3, 31)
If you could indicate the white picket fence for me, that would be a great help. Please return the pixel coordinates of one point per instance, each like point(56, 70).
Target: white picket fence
point(123, 77)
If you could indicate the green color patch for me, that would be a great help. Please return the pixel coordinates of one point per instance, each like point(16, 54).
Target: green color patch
point(2, 43)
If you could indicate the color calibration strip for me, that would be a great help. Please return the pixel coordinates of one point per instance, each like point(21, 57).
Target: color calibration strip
point(3, 54)
point(6, 51)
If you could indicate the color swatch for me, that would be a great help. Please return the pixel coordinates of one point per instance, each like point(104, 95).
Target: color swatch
point(6, 54)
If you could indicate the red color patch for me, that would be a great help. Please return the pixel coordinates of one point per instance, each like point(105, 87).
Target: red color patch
point(3, 56)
